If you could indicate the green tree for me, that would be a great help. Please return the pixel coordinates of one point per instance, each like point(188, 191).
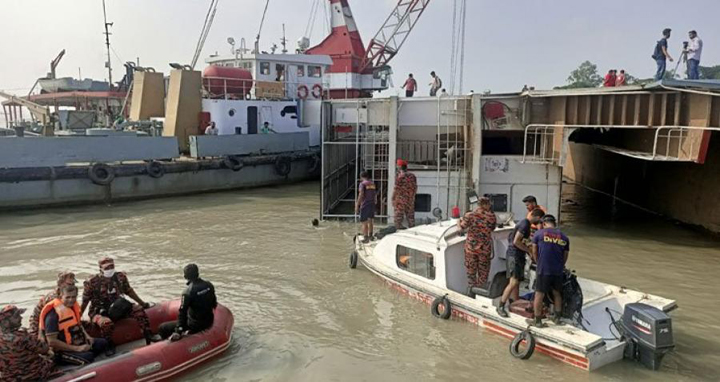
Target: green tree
point(710, 72)
point(585, 76)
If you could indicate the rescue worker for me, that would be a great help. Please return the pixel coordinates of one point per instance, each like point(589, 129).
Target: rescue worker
point(516, 258)
point(550, 250)
point(365, 205)
point(479, 224)
point(104, 290)
point(23, 357)
point(531, 204)
point(403, 196)
point(64, 278)
point(198, 303)
point(62, 329)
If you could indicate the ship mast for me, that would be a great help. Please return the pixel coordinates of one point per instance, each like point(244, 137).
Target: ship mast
point(108, 64)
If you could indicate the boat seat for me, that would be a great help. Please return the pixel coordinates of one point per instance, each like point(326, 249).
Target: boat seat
point(480, 291)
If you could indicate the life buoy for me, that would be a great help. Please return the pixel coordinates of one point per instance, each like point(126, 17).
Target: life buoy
point(317, 91)
point(233, 163)
point(526, 336)
point(302, 92)
point(101, 174)
point(283, 165)
point(314, 164)
point(155, 169)
point(446, 308)
point(353, 260)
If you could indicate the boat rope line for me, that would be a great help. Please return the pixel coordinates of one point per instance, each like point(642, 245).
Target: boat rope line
point(209, 17)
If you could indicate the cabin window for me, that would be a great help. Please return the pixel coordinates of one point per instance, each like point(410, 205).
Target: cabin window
point(423, 203)
point(265, 68)
point(315, 71)
point(301, 71)
point(417, 262)
point(280, 70)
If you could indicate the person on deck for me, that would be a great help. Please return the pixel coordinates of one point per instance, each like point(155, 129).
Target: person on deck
point(480, 225)
point(550, 250)
point(694, 51)
point(266, 129)
point(197, 307)
point(62, 329)
point(435, 84)
point(211, 129)
point(23, 356)
point(410, 86)
point(515, 258)
point(661, 55)
point(531, 204)
point(104, 293)
point(64, 278)
point(365, 205)
point(610, 78)
point(403, 196)
point(621, 80)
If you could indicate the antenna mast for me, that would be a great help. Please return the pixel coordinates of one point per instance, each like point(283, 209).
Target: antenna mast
point(108, 64)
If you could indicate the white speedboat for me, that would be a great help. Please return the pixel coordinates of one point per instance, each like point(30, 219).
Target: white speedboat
point(607, 324)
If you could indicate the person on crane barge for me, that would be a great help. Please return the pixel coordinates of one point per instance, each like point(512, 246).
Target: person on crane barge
point(403, 196)
point(410, 86)
point(435, 84)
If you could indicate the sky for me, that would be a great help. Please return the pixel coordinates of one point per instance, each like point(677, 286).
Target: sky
point(508, 43)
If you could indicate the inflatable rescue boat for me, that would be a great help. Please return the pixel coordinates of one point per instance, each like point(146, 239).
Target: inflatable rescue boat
point(136, 361)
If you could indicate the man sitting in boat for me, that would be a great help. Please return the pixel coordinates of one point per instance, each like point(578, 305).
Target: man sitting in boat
point(480, 225)
point(64, 278)
point(60, 324)
point(23, 357)
point(550, 250)
point(516, 252)
point(104, 293)
point(196, 309)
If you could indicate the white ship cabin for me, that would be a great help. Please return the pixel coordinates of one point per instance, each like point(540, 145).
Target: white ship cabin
point(284, 94)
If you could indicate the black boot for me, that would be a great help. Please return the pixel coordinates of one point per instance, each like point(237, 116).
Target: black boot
point(501, 310)
point(110, 349)
point(150, 338)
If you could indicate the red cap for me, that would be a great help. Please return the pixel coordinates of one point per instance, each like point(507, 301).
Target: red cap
point(401, 162)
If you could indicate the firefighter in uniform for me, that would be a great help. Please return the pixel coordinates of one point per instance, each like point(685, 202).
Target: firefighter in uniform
point(479, 224)
point(64, 278)
point(403, 197)
point(23, 357)
point(104, 290)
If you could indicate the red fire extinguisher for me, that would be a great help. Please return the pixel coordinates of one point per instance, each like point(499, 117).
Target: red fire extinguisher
point(456, 212)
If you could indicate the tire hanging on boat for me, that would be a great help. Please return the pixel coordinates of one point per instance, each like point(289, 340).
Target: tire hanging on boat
point(283, 165)
point(233, 163)
point(155, 169)
point(101, 174)
point(447, 308)
point(353, 260)
point(526, 336)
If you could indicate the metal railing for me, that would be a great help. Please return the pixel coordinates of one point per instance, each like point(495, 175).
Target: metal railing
point(250, 89)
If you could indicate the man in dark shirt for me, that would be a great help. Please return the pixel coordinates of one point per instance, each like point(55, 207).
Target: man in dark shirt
point(550, 250)
point(365, 206)
point(661, 54)
point(196, 308)
point(515, 258)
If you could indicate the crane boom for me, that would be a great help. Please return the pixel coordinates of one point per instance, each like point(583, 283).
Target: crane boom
point(392, 35)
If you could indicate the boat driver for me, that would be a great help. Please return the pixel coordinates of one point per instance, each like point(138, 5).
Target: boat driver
point(198, 303)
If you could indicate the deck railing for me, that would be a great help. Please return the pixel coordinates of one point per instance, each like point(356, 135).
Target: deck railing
point(238, 88)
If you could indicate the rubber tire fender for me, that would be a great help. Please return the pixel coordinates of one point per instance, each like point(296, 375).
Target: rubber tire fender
point(101, 174)
point(155, 169)
point(447, 308)
point(233, 163)
point(353, 260)
point(515, 345)
point(283, 165)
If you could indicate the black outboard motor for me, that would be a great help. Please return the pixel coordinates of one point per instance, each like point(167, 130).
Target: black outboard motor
point(648, 332)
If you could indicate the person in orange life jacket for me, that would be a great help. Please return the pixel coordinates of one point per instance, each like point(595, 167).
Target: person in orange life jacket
point(104, 294)
point(532, 204)
point(61, 326)
point(64, 278)
point(365, 206)
point(550, 250)
point(516, 258)
point(23, 357)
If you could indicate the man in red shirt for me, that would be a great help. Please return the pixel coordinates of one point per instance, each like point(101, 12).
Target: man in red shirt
point(621, 81)
point(610, 78)
point(410, 86)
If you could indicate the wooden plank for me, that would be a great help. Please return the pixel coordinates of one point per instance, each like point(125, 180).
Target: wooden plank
point(599, 110)
point(678, 109)
point(623, 118)
point(695, 145)
point(588, 108)
point(651, 110)
point(636, 113)
point(663, 109)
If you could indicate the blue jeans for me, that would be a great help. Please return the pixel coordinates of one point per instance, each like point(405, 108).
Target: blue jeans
point(692, 66)
point(660, 69)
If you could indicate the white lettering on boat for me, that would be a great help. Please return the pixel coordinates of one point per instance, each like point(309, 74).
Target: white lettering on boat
point(201, 346)
point(148, 369)
point(641, 323)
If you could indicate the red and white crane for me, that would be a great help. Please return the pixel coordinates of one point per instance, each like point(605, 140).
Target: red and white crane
point(358, 71)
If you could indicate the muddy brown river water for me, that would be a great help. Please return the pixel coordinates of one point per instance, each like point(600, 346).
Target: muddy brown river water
point(302, 315)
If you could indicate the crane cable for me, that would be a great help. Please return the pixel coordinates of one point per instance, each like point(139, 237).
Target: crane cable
point(209, 17)
point(457, 48)
point(262, 22)
point(314, 9)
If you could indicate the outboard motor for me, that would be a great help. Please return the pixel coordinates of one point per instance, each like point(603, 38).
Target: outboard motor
point(648, 332)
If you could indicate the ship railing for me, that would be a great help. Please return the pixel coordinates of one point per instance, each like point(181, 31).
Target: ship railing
point(250, 89)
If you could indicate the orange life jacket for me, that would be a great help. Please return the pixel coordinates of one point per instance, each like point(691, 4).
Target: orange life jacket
point(68, 318)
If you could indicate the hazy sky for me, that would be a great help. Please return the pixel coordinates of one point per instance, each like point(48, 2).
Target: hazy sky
point(508, 43)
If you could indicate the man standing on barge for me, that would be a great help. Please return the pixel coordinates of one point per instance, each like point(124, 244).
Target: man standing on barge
point(480, 225)
point(403, 196)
